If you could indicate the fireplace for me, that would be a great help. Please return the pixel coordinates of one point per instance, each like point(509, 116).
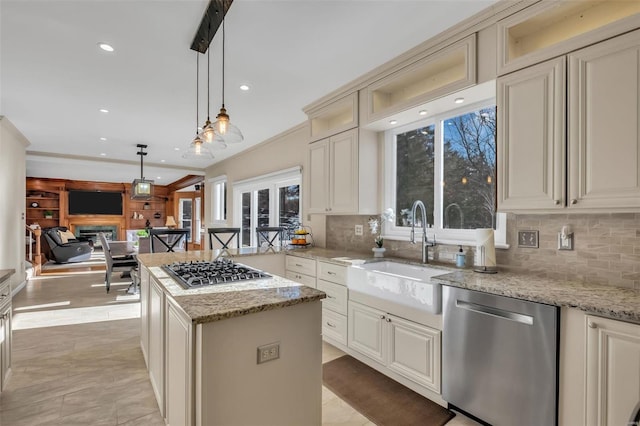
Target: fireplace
point(90, 233)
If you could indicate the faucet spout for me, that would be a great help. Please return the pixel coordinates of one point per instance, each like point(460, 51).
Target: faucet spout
point(425, 242)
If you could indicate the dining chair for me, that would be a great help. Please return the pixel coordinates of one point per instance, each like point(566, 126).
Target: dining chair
point(116, 263)
point(269, 234)
point(227, 234)
point(169, 240)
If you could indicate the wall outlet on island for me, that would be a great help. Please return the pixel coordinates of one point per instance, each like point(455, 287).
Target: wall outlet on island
point(268, 352)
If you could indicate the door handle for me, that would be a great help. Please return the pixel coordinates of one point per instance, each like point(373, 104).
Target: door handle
point(495, 312)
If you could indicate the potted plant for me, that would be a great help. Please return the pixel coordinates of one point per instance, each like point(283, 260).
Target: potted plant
point(375, 225)
point(48, 214)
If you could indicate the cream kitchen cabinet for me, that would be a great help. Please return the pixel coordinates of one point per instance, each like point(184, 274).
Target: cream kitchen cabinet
point(301, 270)
point(405, 347)
point(597, 138)
point(342, 173)
point(332, 279)
point(5, 333)
point(179, 365)
point(144, 313)
point(155, 355)
point(612, 372)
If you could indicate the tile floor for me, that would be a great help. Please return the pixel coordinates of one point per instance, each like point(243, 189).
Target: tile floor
point(77, 358)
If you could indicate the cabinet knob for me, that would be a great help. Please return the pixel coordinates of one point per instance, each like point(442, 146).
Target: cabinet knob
point(574, 201)
point(556, 202)
point(592, 324)
point(330, 325)
point(387, 319)
point(382, 316)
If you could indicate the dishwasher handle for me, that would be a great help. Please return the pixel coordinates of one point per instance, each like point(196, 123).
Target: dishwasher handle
point(495, 312)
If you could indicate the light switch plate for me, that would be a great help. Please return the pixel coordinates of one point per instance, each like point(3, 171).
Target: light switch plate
point(359, 230)
point(528, 239)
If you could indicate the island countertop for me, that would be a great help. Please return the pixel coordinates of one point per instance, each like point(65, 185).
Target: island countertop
point(5, 274)
point(224, 301)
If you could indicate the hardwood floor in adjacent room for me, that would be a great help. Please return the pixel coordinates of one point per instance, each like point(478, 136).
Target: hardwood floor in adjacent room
point(77, 358)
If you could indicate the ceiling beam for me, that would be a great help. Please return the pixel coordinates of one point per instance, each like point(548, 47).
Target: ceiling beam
point(211, 20)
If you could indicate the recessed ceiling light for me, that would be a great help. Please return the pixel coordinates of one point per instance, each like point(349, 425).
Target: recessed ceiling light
point(459, 100)
point(176, 149)
point(393, 121)
point(158, 177)
point(162, 161)
point(106, 47)
point(103, 139)
point(103, 154)
point(244, 87)
point(104, 111)
point(422, 112)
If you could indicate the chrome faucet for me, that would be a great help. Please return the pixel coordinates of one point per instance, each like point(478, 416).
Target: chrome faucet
point(425, 241)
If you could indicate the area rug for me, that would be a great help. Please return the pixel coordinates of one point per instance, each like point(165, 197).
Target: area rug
point(380, 399)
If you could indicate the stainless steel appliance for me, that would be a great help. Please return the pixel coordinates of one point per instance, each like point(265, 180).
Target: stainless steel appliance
point(500, 358)
point(203, 273)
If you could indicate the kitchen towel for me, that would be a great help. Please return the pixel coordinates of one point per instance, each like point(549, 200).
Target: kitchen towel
point(485, 248)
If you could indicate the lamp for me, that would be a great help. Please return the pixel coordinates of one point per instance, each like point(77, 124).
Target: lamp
point(222, 126)
point(141, 189)
point(171, 222)
point(197, 149)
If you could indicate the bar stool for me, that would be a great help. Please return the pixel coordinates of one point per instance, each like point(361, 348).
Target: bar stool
point(166, 240)
point(229, 234)
point(269, 234)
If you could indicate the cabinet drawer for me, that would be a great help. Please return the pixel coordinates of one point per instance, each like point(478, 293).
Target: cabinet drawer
point(5, 291)
point(301, 278)
point(336, 296)
point(334, 326)
point(332, 272)
point(301, 265)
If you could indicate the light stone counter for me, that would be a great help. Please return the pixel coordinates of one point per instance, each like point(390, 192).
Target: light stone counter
point(613, 302)
point(223, 301)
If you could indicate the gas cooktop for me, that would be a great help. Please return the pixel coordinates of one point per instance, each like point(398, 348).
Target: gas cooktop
point(200, 273)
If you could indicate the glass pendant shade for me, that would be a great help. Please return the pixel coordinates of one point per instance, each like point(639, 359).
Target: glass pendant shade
point(208, 132)
point(224, 129)
point(198, 150)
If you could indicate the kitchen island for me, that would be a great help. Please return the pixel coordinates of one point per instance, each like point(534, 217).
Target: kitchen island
point(209, 350)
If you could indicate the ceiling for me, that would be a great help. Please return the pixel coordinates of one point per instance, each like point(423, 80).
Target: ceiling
point(54, 79)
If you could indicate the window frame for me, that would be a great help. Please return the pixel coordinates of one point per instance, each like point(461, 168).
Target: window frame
point(442, 235)
point(218, 200)
point(272, 181)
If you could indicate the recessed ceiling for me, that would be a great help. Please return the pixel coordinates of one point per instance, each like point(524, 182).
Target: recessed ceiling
point(55, 79)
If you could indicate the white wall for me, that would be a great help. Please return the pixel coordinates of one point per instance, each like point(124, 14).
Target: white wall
point(12, 209)
point(289, 149)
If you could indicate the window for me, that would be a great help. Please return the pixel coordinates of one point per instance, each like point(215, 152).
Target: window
point(448, 162)
point(218, 197)
point(269, 200)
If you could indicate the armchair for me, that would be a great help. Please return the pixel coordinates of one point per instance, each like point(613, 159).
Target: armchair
point(64, 249)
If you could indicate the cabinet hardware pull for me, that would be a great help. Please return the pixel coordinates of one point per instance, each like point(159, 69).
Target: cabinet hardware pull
point(388, 319)
point(593, 324)
point(574, 201)
point(556, 202)
point(298, 265)
point(381, 316)
point(330, 273)
point(330, 325)
point(330, 296)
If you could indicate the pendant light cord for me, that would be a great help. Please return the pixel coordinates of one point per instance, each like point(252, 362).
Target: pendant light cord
point(197, 88)
point(208, 73)
point(224, 13)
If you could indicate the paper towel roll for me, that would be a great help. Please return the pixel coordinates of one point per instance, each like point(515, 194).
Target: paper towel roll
point(485, 248)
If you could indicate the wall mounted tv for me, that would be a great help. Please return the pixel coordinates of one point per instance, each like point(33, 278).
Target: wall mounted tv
point(95, 202)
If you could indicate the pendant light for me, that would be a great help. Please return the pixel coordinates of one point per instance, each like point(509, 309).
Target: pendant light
point(197, 149)
point(222, 126)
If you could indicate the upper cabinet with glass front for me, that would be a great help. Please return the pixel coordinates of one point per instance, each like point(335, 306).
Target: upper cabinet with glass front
point(440, 73)
point(551, 28)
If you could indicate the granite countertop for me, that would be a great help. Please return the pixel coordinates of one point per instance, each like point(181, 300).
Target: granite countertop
point(224, 301)
point(613, 302)
point(5, 274)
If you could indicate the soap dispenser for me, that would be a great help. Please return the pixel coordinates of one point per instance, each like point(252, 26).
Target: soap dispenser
point(460, 258)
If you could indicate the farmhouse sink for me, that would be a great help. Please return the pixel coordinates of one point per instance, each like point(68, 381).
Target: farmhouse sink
point(402, 283)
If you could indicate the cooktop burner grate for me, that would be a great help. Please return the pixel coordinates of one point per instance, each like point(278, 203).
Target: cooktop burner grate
point(199, 273)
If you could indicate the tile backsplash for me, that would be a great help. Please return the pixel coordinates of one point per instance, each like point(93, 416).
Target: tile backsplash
point(606, 247)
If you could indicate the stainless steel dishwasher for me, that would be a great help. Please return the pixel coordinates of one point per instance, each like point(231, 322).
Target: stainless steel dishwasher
point(499, 358)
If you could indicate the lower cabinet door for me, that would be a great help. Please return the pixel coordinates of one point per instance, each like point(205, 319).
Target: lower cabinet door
point(613, 372)
point(179, 369)
point(156, 343)
point(414, 352)
point(5, 344)
point(366, 331)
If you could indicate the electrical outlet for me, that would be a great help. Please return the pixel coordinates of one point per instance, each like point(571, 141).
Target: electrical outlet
point(528, 239)
point(359, 230)
point(268, 352)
